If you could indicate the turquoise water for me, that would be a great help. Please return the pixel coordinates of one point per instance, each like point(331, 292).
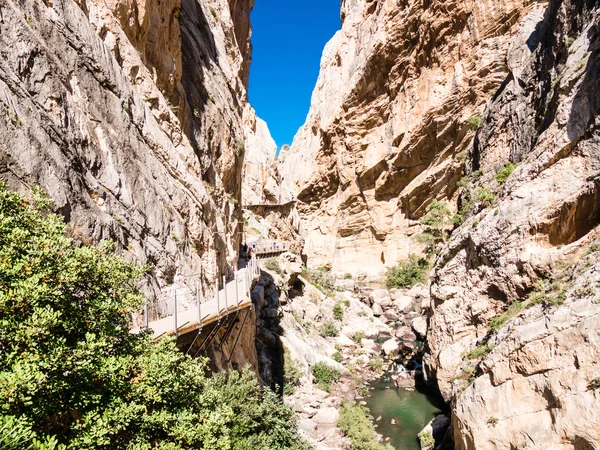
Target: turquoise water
point(411, 410)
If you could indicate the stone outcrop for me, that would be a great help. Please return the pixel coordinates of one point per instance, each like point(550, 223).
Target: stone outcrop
point(129, 114)
point(514, 331)
point(493, 108)
point(261, 183)
point(389, 122)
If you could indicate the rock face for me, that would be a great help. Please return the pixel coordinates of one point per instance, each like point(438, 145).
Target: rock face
point(261, 178)
point(412, 97)
point(525, 376)
point(130, 116)
point(388, 126)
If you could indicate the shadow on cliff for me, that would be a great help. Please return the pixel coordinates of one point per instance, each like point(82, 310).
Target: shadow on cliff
point(269, 348)
point(198, 54)
point(586, 104)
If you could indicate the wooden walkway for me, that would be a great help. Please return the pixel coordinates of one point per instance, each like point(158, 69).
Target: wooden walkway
point(234, 297)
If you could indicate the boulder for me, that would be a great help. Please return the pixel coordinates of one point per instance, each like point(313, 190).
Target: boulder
point(369, 344)
point(404, 303)
point(307, 425)
point(377, 310)
point(391, 314)
point(390, 347)
point(381, 297)
point(326, 416)
point(419, 325)
point(347, 285)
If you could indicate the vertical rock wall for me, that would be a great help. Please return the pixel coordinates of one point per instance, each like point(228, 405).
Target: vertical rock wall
point(388, 126)
point(130, 116)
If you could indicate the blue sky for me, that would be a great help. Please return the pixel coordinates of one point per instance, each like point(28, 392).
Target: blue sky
point(288, 37)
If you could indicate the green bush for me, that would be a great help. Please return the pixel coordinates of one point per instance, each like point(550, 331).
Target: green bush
point(480, 351)
point(328, 329)
point(436, 223)
point(505, 172)
point(426, 439)
point(325, 375)
point(321, 278)
point(376, 363)
point(273, 265)
point(73, 374)
point(338, 311)
point(337, 357)
point(291, 374)
point(355, 424)
point(407, 273)
point(358, 336)
point(475, 122)
point(348, 276)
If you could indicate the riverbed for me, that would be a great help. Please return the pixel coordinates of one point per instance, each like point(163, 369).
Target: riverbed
point(411, 411)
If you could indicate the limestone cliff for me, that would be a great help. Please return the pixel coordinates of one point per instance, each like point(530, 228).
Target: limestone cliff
point(388, 124)
point(492, 107)
point(515, 329)
point(129, 114)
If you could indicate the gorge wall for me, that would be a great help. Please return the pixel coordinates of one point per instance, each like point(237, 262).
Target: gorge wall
point(130, 116)
point(491, 107)
point(388, 126)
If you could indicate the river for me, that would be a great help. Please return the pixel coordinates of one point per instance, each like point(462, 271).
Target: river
point(411, 411)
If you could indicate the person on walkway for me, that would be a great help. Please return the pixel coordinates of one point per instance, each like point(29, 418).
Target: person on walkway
point(250, 252)
point(245, 251)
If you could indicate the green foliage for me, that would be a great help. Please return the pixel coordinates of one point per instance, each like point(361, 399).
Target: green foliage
point(328, 329)
point(358, 336)
point(492, 420)
point(73, 375)
point(486, 197)
point(544, 292)
point(213, 11)
point(320, 278)
point(376, 363)
point(475, 122)
point(325, 375)
point(273, 265)
point(348, 276)
point(436, 224)
point(337, 357)
point(355, 424)
point(594, 384)
point(505, 172)
point(480, 351)
point(338, 311)
point(426, 439)
point(570, 41)
point(292, 373)
point(407, 273)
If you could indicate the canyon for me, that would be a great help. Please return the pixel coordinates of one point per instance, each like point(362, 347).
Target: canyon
point(134, 118)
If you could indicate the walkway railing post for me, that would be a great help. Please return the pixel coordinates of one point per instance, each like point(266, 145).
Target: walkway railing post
point(237, 293)
point(217, 297)
point(225, 289)
point(198, 302)
point(175, 310)
point(146, 318)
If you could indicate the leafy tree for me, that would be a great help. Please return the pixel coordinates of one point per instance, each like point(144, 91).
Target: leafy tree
point(72, 376)
point(407, 273)
point(355, 424)
point(325, 375)
point(436, 225)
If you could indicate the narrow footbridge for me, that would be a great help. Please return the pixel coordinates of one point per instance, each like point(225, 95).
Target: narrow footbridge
point(233, 297)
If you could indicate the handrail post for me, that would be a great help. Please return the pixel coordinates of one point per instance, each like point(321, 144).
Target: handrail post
point(237, 294)
point(225, 289)
point(146, 318)
point(198, 302)
point(217, 297)
point(175, 310)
